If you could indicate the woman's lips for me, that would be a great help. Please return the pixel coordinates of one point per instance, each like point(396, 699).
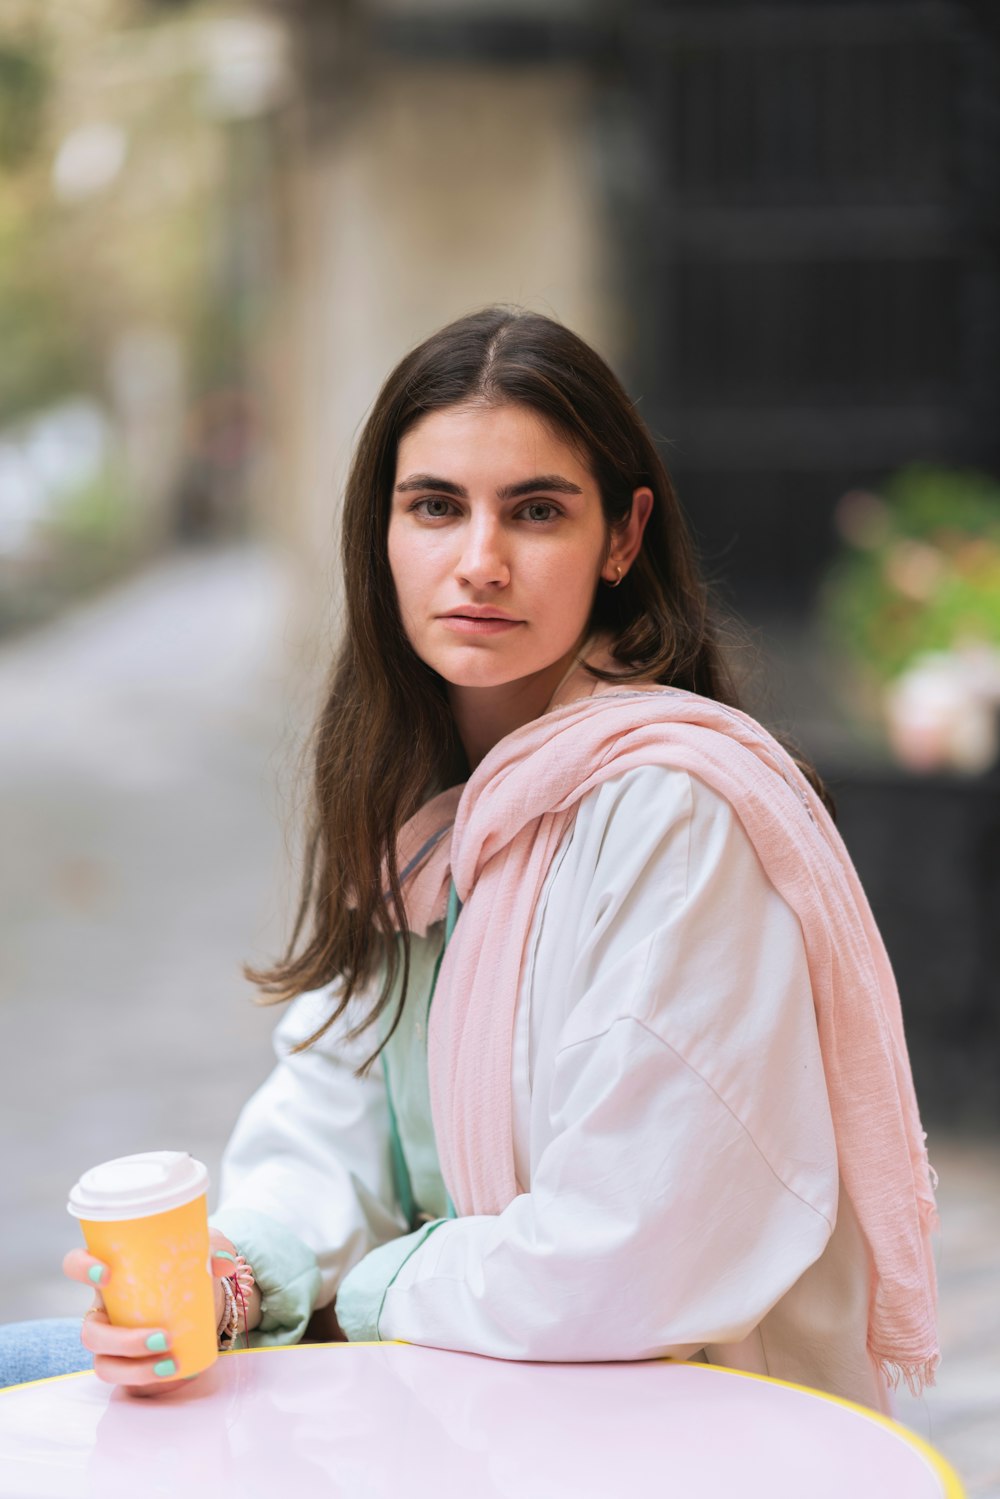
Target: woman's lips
point(469, 624)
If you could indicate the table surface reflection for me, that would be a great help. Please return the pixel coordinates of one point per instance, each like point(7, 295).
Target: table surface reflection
point(388, 1419)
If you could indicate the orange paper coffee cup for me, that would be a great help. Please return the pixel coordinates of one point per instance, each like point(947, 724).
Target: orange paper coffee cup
point(146, 1217)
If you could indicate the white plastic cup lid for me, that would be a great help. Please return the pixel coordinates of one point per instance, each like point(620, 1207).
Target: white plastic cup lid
point(134, 1186)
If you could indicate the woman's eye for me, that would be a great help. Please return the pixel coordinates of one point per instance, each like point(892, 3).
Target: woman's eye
point(540, 510)
point(434, 508)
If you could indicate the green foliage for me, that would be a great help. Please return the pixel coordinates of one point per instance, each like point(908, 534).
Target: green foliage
point(41, 354)
point(921, 571)
point(44, 356)
point(95, 516)
point(88, 540)
point(24, 87)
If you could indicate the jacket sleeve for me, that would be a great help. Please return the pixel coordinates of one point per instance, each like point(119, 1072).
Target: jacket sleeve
point(688, 1174)
point(307, 1187)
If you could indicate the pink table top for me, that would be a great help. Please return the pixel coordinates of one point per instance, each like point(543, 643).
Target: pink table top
point(383, 1420)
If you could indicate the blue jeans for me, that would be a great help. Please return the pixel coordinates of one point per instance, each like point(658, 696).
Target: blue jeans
point(37, 1350)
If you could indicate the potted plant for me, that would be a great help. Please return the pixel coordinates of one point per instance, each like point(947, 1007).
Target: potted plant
point(912, 613)
point(913, 604)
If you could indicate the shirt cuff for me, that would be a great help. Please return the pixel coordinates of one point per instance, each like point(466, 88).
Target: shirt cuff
point(284, 1268)
point(363, 1290)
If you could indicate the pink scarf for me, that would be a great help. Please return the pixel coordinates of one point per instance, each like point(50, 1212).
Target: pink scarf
point(496, 837)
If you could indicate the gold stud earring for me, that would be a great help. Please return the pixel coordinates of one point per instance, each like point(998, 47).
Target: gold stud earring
point(619, 577)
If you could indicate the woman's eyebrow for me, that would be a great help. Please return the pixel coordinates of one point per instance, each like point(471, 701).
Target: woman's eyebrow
point(553, 482)
point(430, 481)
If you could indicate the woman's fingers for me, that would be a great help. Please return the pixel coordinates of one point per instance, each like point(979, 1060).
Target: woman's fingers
point(131, 1356)
point(81, 1266)
point(155, 1373)
point(223, 1263)
point(102, 1337)
point(223, 1254)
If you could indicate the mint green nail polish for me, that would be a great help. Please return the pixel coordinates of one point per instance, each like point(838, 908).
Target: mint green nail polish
point(165, 1368)
point(223, 1254)
point(96, 1273)
point(156, 1342)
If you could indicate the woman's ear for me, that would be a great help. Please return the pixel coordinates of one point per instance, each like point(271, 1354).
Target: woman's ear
point(626, 539)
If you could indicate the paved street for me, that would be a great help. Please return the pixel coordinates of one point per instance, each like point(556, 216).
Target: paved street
point(145, 738)
point(961, 1413)
point(142, 861)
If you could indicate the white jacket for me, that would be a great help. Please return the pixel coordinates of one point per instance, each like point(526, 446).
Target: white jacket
point(663, 973)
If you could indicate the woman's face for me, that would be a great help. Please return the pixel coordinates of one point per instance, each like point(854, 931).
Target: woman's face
point(496, 543)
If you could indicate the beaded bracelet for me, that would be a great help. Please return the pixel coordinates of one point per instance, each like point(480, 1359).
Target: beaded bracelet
point(230, 1324)
point(235, 1288)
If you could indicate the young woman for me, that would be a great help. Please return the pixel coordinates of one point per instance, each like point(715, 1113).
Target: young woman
point(596, 1053)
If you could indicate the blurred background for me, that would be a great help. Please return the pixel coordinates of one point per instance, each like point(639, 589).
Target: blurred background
point(220, 226)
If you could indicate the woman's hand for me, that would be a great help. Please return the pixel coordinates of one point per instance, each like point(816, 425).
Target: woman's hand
point(138, 1358)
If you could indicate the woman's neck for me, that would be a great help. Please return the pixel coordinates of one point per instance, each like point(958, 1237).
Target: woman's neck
point(485, 715)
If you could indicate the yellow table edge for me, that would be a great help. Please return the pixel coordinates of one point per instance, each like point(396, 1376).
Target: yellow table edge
point(946, 1473)
point(942, 1467)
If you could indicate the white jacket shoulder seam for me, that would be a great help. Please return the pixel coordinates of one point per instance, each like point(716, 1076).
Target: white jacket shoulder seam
point(586, 1040)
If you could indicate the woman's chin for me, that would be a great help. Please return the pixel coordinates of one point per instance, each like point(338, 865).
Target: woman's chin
point(474, 667)
point(479, 681)
point(488, 664)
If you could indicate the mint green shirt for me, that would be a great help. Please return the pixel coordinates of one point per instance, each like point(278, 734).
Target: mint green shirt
point(285, 1268)
point(404, 1063)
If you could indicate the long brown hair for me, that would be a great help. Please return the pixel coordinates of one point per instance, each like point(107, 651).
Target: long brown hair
point(386, 740)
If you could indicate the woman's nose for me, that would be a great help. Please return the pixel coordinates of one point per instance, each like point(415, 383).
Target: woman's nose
point(483, 562)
